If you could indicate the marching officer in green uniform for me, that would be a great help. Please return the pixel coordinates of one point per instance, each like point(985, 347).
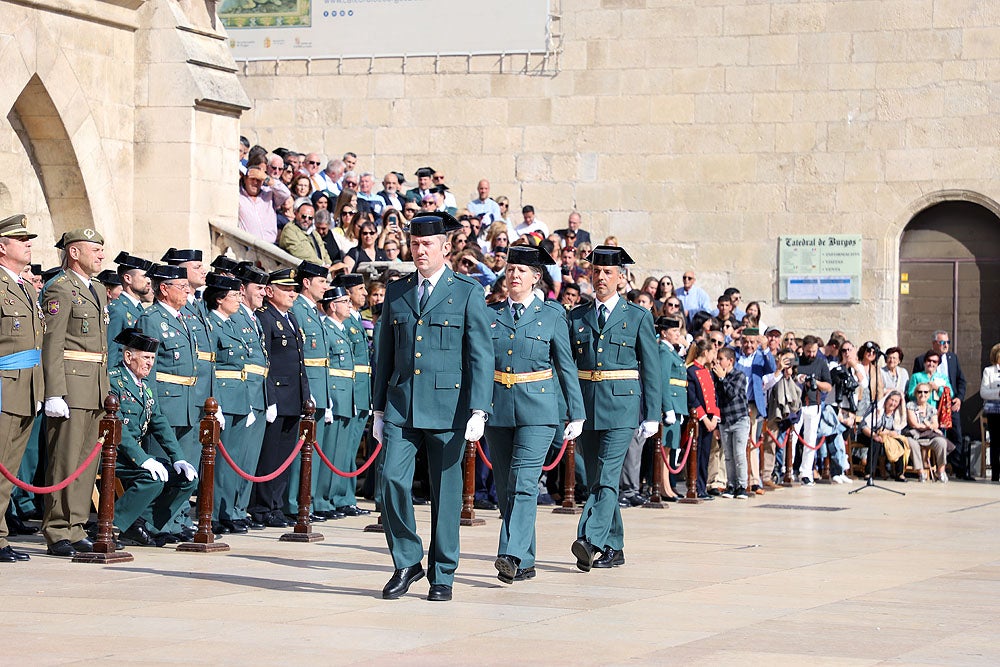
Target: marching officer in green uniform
point(336, 304)
point(614, 345)
point(20, 360)
point(222, 299)
point(433, 370)
point(248, 326)
point(155, 488)
point(312, 280)
point(529, 348)
point(74, 365)
point(345, 494)
point(176, 369)
point(125, 311)
point(675, 405)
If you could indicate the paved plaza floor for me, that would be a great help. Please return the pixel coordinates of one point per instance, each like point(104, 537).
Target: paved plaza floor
point(803, 576)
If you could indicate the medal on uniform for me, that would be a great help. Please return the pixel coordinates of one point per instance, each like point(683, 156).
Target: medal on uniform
point(9, 302)
point(163, 326)
point(284, 342)
point(17, 324)
point(278, 324)
point(314, 344)
point(85, 327)
point(177, 356)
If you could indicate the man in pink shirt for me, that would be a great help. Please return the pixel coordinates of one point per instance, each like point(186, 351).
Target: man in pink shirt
point(256, 209)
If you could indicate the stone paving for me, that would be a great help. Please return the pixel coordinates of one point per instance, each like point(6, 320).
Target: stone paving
point(799, 575)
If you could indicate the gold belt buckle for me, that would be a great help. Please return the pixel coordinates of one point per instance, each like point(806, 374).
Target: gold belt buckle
point(596, 376)
point(508, 379)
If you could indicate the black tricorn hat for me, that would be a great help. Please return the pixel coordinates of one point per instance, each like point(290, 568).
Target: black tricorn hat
point(167, 272)
point(249, 273)
point(126, 261)
point(348, 280)
point(609, 255)
point(663, 323)
point(424, 171)
point(134, 339)
point(222, 282)
point(223, 263)
point(529, 256)
point(333, 294)
point(109, 278)
point(310, 270)
point(175, 256)
point(433, 223)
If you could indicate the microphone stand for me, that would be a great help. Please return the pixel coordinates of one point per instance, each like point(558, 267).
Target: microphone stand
point(872, 456)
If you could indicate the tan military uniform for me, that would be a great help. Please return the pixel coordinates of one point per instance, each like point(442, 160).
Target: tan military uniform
point(20, 330)
point(74, 361)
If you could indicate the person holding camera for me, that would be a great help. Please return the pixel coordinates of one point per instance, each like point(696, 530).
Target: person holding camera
point(814, 379)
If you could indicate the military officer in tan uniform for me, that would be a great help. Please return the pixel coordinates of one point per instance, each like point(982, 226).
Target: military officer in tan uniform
point(20, 360)
point(74, 364)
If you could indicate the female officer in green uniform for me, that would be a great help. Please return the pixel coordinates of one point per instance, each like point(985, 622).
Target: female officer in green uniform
point(675, 408)
point(530, 344)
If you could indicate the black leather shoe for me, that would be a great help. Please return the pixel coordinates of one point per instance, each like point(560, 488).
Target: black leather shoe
point(525, 574)
point(276, 520)
point(8, 555)
point(219, 529)
point(611, 558)
point(17, 527)
point(417, 500)
point(166, 538)
point(350, 510)
point(138, 536)
point(62, 548)
point(185, 534)
point(714, 492)
point(316, 518)
point(637, 500)
point(331, 514)
point(84, 545)
point(233, 527)
point(400, 581)
point(506, 568)
point(254, 524)
point(586, 553)
point(484, 505)
point(439, 593)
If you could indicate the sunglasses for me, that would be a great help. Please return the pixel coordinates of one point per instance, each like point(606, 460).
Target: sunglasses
point(313, 163)
point(307, 217)
point(924, 391)
point(347, 211)
point(686, 279)
point(673, 305)
point(718, 343)
point(368, 233)
point(352, 184)
point(944, 342)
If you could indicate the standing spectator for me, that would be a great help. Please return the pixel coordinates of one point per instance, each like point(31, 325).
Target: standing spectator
point(256, 211)
point(894, 376)
point(755, 363)
point(694, 298)
point(702, 407)
point(931, 375)
point(951, 369)
point(530, 223)
point(814, 380)
point(772, 336)
point(325, 231)
point(734, 297)
point(390, 192)
point(989, 390)
point(724, 311)
point(753, 311)
point(734, 428)
point(674, 396)
point(573, 230)
point(484, 206)
point(300, 187)
point(569, 266)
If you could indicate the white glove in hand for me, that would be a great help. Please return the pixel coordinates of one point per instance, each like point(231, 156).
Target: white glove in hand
point(328, 417)
point(186, 469)
point(251, 418)
point(670, 418)
point(38, 407)
point(222, 418)
point(475, 426)
point(648, 429)
point(573, 430)
point(271, 414)
point(378, 425)
point(55, 406)
point(155, 469)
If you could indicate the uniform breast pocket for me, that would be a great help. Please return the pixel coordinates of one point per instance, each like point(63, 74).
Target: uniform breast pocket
point(228, 353)
point(82, 323)
point(402, 327)
point(537, 348)
point(281, 339)
point(625, 345)
point(14, 325)
point(446, 331)
point(581, 341)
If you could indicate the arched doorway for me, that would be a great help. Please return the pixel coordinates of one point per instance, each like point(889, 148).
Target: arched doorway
point(949, 263)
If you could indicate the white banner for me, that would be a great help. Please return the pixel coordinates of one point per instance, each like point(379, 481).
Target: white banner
point(298, 29)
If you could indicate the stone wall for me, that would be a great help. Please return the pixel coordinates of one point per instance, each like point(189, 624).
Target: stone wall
point(696, 131)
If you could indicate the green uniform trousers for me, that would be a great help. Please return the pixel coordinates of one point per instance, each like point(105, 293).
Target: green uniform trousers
point(346, 456)
point(15, 432)
point(68, 443)
point(444, 461)
point(225, 498)
point(603, 454)
point(518, 454)
point(253, 440)
point(326, 481)
point(190, 445)
point(292, 492)
point(150, 499)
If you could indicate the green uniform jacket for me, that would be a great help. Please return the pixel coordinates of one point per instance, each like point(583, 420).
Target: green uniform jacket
point(536, 343)
point(314, 346)
point(141, 417)
point(20, 330)
point(196, 317)
point(75, 322)
point(674, 380)
point(122, 313)
point(230, 355)
point(432, 368)
point(363, 379)
point(627, 342)
point(176, 356)
point(341, 358)
point(246, 323)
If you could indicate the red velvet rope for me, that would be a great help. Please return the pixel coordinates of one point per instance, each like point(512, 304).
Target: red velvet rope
point(482, 455)
point(265, 478)
point(335, 469)
point(553, 465)
point(683, 461)
point(31, 488)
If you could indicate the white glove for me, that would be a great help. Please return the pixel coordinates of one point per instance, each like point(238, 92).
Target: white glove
point(221, 417)
point(38, 407)
point(476, 425)
point(186, 469)
point(55, 406)
point(328, 416)
point(251, 418)
point(155, 469)
point(648, 429)
point(670, 417)
point(271, 414)
point(573, 430)
point(378, 424)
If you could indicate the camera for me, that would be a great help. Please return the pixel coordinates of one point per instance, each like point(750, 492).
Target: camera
point(809, 383)
point(844, 385)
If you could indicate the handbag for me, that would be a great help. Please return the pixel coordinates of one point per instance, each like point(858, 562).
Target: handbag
point(991, 407)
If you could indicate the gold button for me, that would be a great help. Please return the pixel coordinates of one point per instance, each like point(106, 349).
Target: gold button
point(508, 369)
point(417, 355)
point(420, 337)
point(600, 349)
point(456, 386)
point(420, 321)
point(510, 351)
point(599, 363)
point(602, 336)
point(446, 322)
point(543, 390)
point(512, 336)
point(416, 372)
point(630, 391)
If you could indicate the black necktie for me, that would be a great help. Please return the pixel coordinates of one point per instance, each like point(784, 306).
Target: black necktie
point(602, 316)
point(25, 291)
point(94, 292)
point(426, 295)
point(518, 311)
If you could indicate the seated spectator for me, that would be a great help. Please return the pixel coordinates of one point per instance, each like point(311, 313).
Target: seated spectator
point(894, 376)
point(468, 263)
point(932, 376)
point(390, 193)
point(285, 213)
point(496, 237)
point(344, 213)
point(392, 230)
point(485, 206)
point(503, 203)
point(664, 290)
point(410, 209)
point(320, 200)
point(694, 298)
point(569, 265)
point(989, 390)
point(671, 307)
point(301, 187)
point(325, 232)
point(256, 211)
point(883, 424)
point(367, 198)
point(366, 250)
point(300, 238)
point(922, 422)
point(275, 172)
point(572, 234)
point(639, 298)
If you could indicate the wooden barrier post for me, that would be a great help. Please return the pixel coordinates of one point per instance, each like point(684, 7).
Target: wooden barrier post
point(568, 505)
point(307, 431)
point(104, 547)
point(469, 488)
point(655, 500)
point(691, 497)
point(204, 539)
point(790, 443)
